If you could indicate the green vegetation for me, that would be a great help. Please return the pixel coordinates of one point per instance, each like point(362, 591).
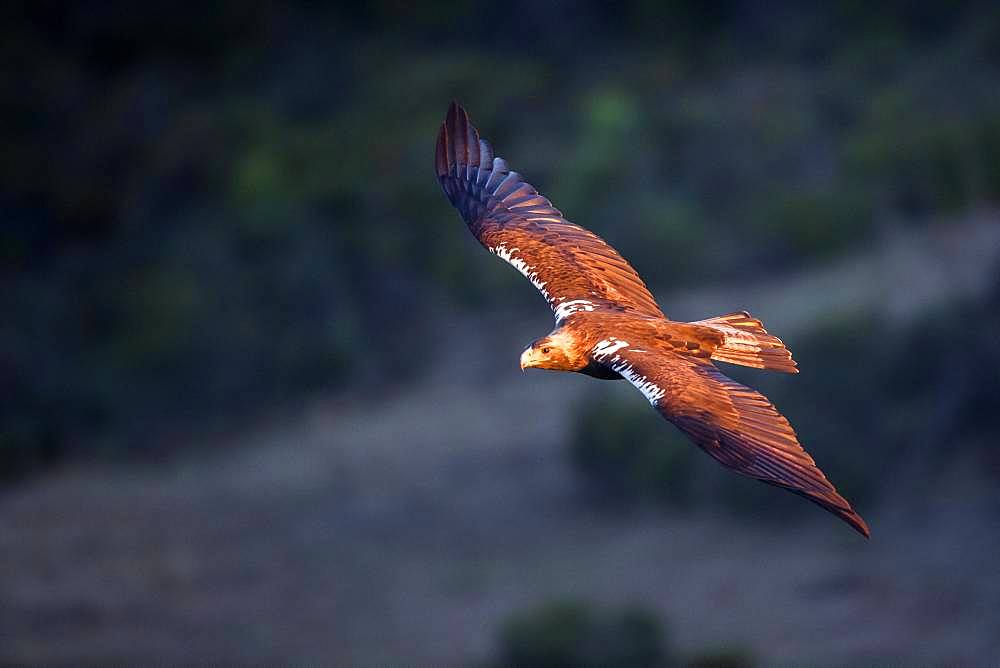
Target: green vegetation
point(571, 633)
point(721, 658)
point(203, 219)
point(626, 453)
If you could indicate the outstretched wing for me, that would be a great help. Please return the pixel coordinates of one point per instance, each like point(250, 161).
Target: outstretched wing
point(733, 423)
point(574, 269)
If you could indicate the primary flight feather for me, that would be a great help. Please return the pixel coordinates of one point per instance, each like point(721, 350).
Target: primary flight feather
point(609, 326)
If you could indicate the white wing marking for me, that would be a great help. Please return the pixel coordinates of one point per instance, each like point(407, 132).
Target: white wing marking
point(567, 308)
point(611, 346)
point(608, 346)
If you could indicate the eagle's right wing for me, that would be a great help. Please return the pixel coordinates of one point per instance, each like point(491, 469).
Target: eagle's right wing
point(574, 269)
point(735, 424)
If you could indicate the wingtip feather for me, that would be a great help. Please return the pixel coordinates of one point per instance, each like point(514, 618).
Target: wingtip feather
point(859, 524)
point(441, 152)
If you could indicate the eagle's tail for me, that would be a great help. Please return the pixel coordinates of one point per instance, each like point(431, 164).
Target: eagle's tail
point(747, 343)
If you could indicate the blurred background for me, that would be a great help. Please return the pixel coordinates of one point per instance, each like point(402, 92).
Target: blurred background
point(260, 391)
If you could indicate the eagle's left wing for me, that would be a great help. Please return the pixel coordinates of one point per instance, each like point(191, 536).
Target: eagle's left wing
point(574, 269)
point(735, 424)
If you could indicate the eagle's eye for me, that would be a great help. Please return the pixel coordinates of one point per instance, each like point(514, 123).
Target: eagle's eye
point(546, 350)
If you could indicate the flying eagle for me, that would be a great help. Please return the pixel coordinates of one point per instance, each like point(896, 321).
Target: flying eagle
point(609, 326)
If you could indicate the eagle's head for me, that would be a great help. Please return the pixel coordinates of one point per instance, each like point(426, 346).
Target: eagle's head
point(556, 352)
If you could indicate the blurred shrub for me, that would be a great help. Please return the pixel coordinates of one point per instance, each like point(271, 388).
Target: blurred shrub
point(607, 128)
point(566, 634)
point(570, 634)
point(926, 163)
point(721, 658)
point(28, 443)
point(626, 453)
point(810, 223)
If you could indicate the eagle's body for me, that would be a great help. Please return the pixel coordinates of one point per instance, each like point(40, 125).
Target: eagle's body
point(609, 326)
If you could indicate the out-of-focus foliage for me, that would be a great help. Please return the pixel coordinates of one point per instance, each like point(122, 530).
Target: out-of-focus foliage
point(721, 658)
point(571, 633)
point(625, 454)
point(227, 208)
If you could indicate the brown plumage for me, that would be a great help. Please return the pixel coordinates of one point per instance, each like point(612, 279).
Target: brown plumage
point(609, 326)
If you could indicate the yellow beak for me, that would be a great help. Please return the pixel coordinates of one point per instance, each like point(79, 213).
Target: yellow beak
point(526, 359)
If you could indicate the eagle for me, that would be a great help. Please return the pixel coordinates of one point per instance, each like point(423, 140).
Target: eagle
point(609, 326)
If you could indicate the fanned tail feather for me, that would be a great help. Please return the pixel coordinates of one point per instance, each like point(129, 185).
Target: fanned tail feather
point(747, 343)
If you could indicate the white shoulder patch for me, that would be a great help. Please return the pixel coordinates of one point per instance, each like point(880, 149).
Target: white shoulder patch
point(608, 346)
point(566, 309)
